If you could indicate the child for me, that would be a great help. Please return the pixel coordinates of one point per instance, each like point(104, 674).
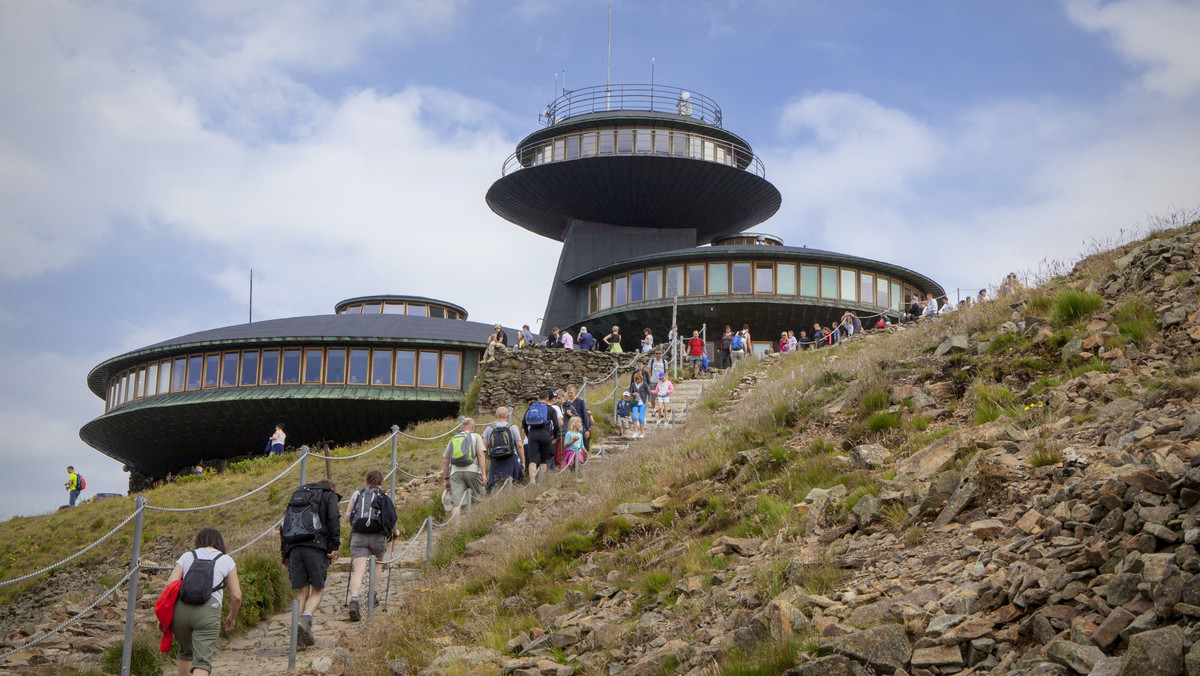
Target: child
point(663, 391)
point(574, 442)
point(624, 414)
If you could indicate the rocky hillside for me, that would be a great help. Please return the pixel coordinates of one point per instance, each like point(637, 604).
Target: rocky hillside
point(1010, 489)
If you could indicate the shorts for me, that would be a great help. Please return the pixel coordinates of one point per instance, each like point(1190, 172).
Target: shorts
point(540, 450)
point(363, 545)
point(461, 482)
point(196, 629)
point(653, 396)
point(665, 400)
point(307, 566)
point(623, 422)
point(695, 360)
point(639, 414)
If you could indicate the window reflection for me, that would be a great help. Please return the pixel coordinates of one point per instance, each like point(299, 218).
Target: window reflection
point(674, 281)
point(636, 289)
point(764, 278)
point(718, 278)
point(866, 286)
point(427, 371)
point(451, 371)
point(393, 308)
point(416, 310)
point(849, 287)
point(371, 308)
point(179, 374)
point(437, 311)
point(695, 281)
point(654, 284)
point(229, 369)
point(291, 367)
point(808, 280)
point(786, 279)
point(250, 367)
point(335, 366)
point(741, 278)
point(164, 377)
point(605, 295)
point(312, 366)
point(620, 291)
point(381, 368)
point(270, 367)
point(359, 361)
point(829, 282)
point(406, 367)
point(212, 370)
point(881, 292)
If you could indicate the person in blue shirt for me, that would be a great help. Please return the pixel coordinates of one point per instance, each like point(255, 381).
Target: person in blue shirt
point(585, 339)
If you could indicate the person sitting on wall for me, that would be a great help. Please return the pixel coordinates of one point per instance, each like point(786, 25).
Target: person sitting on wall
point(526, 339)
point(566, 341)
point(793, 343)
point(804, 342)
point(931, 306)
point(585, 339)
point(500, 336)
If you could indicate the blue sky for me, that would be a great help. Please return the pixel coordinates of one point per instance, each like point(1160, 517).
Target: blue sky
point(152, 153)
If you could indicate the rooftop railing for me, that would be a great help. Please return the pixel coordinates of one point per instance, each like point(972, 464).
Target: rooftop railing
point(622, 97)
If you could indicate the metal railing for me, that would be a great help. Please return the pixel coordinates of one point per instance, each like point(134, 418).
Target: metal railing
point(632, 97)
point(635, 141)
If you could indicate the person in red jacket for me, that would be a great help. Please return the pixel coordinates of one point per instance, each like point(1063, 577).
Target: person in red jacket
point(695, 346)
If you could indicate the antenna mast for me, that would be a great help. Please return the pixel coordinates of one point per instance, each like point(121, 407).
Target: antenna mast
point(608, 61)
point(250, 318)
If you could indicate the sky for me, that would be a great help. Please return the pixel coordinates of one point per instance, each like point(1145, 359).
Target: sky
point(152, 153)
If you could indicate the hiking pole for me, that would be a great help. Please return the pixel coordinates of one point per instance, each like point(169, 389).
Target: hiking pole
point(370, 586)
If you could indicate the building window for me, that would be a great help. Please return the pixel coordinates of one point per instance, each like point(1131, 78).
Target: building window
point(593, 298)
point(674, 281)
point(718, 278)
point(587, 144)
point(229, 369)
point(829, 282)
point(335, 366)
point(785, 283)
point(151, 380)
point(212, 370)
point(359, 363)
point(291, 367)
point(695, 280)
point(654, 284)
point(679, 143)
point(437, 311)
point(896, 295)
point(393, 308)
point(417, 310)
point(452, 370)
point(312, 366)
point(662, 142)
point(164, 377)
point(427, 370)
point(644, 140)
point(620, 291)
point(250, 367)
point(637, 291)
point(849, 287)
point(122, 389)
point(866, 286)
point(406, 368)
point(624, 141)
point(179, 374)
point(355, 309)
point(881, 292)
point(270, 367)
point(808, 281)
point(764, 278)
point(606, 142)
point(742, 278)
point(605, 294)
point(372, 308)
point(141, 384)
point(381, 367)
point(195, 371)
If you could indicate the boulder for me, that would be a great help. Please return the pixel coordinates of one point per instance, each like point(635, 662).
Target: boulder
point(1158, 652)
point(869, 456)
point(830, 665)
point(953, 343)
point(987, 528)
point(866, 509)
point(461, 659)
point(883, 648)
point(1079, 658)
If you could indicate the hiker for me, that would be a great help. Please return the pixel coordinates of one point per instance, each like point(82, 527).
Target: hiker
point(657, 365)
point(310, 538)
point(695, 346)
point(275, 444)
point(489, 353)
point(464, 465)
point(663, 396)
point(574, 451)
point(556, 405)
point(639, 392)
point(804, 342)
point(196, 619)
point(541, 429)
point(737, 347)
point(793, 343)
point(724, 358)
point(747, 341)
point(578, 409)
point(371, 516)
point(506, 455)
point(585, 339)
point(624, 414)
point(72, 485)
point(783, 342)
point(612, 341)
point(647, 341)
point(526, 339)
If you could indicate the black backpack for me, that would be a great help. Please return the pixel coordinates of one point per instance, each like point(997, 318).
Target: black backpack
point(302, 522)
point(500, 442)
point(197, 586)
point(372, 512)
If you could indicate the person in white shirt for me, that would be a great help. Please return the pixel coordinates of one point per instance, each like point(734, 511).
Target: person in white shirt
point(931, 306)
point(277, 440)
point(647, 341)
point(947, 308)
point(196, 627)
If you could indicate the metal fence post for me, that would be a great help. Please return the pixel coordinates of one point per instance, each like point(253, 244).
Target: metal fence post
point(303, 465)
point(429, 539)
point(370, 586)
point(292, 634)
point(616, 377)
point(470, 499)
point(135, 562)
point(395, 442)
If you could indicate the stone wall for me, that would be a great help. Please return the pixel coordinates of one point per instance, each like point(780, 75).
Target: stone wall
point(516, 376)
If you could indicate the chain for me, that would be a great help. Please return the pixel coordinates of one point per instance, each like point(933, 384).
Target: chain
point(356, 455)
point(227, 502)
point(74, 556)
point(408, 546)
point(71, 621)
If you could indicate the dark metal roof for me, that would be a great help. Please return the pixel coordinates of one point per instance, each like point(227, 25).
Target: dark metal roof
point(391, 298)
point(752, 251)
point(348, 329)
point(652, 191)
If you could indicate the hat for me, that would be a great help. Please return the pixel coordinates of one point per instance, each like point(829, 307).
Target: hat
point(550, 394)
point(497, 327)
point(624, 394)
point(662, 375)
point(583, 329)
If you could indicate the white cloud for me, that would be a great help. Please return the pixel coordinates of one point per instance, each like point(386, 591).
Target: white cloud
point(1160, 34)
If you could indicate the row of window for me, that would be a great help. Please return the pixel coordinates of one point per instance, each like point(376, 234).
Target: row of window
point(635, 140)
point(292, 366)
point(401, 308)
point(747, 277)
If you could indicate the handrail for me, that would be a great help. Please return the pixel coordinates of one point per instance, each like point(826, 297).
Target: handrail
point(632, 97)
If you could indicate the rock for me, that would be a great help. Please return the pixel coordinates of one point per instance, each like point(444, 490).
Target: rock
point(953, 343)
point(937, 656)
point(461, 659)
point(1079, 658)
point(869, 456)
point(652, 664)
point(399, 668)
point(784, 619)
point(1123, 588)
point(1191, 427)
point(866, 509)
point(1071, 350)
point(957, 503)
point(884, 647)
point(987, 528)
point(728, 545)
point(830, 665)
point(1110, 630)
point(943, 623)
point(1191, 661)
point(634, 508)
point(321, 665)
point(1031, 522)
point(1154, 653)
point(1174, 317)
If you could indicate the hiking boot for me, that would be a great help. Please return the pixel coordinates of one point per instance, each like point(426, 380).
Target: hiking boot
point(355, 616)
point(304, 631)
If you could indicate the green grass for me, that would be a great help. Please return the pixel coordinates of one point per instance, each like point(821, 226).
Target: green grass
point(1045, 456)
point(1135, 320)
point(145, 660)
point(883, 420)
point(875, 399)
point(265, 589)
point(1071, 306)
point(991, 401)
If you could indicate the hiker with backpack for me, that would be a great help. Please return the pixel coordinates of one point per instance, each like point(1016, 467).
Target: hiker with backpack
point(309, 540)
point(541, 430)
point(737, 347)
point(372, 518)
point(506, 455)
point(74, 485)
point(200, 576)
point(464, 465)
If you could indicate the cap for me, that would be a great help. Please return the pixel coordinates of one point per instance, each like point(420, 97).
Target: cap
point(550, 394)
point(624, 394)
point(661, 375)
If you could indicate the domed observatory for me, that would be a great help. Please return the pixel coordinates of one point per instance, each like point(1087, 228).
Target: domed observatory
point(377, 361)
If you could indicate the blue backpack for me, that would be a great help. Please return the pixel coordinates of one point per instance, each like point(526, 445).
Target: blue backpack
point(537, 415)
point(737, 342)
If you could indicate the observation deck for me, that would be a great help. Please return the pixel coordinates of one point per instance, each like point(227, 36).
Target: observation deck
point(643, 156)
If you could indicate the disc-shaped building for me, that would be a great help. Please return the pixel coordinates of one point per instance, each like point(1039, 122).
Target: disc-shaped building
point(649, 194)
point(377, 361)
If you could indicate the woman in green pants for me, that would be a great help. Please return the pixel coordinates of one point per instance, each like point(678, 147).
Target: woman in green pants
point(197, 627)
